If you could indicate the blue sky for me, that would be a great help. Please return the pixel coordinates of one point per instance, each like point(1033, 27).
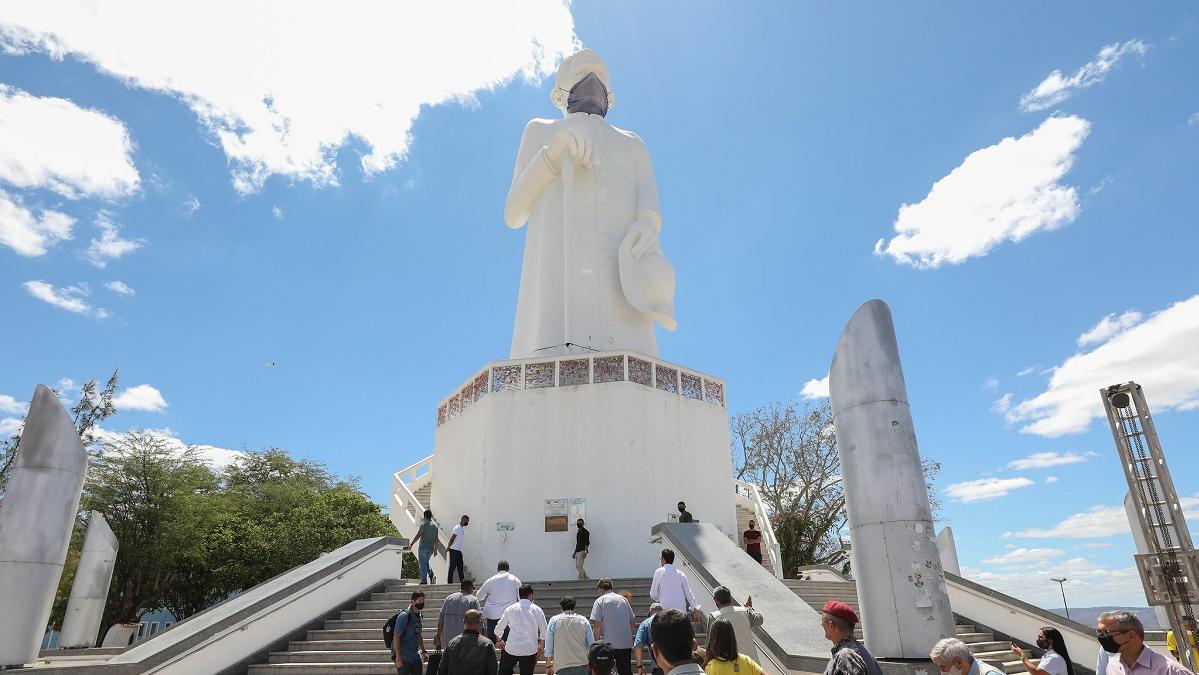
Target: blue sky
point(326, 192)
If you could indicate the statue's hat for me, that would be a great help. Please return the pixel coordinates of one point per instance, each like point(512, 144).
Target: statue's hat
point(648, 282)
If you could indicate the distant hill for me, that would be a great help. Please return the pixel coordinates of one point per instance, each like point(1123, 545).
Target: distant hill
point(1088, 615)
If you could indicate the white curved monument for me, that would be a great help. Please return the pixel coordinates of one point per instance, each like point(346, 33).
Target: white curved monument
point(89, 591)
point(36, 520)
point(584, 419)
point(949, 551)
point(901, 587)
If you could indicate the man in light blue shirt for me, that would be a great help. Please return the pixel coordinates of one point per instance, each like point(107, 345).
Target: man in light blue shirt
point(644, 641)
point(567, 641)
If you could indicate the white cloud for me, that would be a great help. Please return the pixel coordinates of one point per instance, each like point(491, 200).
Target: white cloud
point(1003, 404)
point(10, 426)
point(191, 206)
point(54, 144)
point(282, 98)
point(1108, 327)
point(1157, 353)
point(1044, 460)
point(984, 489)
point(1050, 480)
point(119, 287)
point(1025, 557)
point(140, 397)
point(109, 246)
point(31, 234)
point(70, 298)
point(215, 456)
point(1193, 119)
point(8, 404)
point(1003, 192)
point(277, 212)
point(1027, 371)
point(1088, 584)
point(991, 383)
point(1057, 87)
point(815, 388)
point(1097, 522)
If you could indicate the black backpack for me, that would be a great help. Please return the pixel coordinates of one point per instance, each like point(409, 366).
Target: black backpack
point(389, 628)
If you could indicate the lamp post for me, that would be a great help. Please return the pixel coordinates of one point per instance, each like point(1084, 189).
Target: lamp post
point(1062, 584)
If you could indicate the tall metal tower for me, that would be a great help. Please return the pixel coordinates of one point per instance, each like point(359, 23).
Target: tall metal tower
point(1170, 571)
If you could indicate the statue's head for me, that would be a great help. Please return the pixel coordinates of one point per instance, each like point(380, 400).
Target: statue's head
point(574, 73)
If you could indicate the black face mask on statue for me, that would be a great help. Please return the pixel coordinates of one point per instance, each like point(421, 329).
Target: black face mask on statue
point(589, 96)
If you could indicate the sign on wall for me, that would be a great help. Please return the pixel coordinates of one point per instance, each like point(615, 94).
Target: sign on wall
point(505, 526)
point(556, 511)
point(578, 509)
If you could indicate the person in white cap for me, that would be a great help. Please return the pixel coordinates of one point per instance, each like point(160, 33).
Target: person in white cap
point(594, 277)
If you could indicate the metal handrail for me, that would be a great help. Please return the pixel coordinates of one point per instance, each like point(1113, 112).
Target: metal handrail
point(761, 515)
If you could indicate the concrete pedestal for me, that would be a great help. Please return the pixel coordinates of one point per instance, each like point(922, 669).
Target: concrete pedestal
point(628, 434)
point(85, 607)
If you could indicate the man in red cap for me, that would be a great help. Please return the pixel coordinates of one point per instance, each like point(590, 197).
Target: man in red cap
point(849, 656)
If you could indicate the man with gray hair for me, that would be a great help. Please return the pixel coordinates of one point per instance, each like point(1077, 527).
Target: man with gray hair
point(953, 657)
point(1121, 633)
point(744, 619)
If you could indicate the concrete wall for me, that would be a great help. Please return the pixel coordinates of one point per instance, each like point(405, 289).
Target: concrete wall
point(631, 451)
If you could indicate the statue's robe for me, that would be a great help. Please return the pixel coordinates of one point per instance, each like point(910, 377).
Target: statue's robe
point(607, 196)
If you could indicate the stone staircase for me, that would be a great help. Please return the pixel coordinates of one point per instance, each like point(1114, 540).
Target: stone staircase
point(353, 642)
point(745, 515)
point(423, 496)
point(982, 644)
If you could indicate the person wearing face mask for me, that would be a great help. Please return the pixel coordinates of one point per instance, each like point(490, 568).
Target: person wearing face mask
point(1122, 635)
point(408, 642)
point(953, 657)
point(594, 277)
point(1055, 661)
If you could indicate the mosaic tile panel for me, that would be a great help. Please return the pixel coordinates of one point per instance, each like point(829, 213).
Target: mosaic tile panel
point(505, 378)
point(468, 395)
point(574, 371)
point(666, 378)
point(609, 369)
point(714, 391)
point(640, 371)
point(441, 414)
point(692, 386)
point(481, 386)
point(455, 406)
point(539, 375)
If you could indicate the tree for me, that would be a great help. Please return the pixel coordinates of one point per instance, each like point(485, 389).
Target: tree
point(153, 494)
point(92, 408)
point(791, 455)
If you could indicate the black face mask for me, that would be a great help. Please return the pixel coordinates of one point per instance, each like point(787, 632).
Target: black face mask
point(419, 606)
point(1043, 643)
point(1109, 644)
point(589, 96)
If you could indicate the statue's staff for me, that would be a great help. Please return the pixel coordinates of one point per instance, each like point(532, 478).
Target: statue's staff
point(567, 171)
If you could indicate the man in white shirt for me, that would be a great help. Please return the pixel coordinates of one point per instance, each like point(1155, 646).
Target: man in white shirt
point(455, 548)
point(496, 594)
point(744, 620)
point(524, 629)
point(671, 588)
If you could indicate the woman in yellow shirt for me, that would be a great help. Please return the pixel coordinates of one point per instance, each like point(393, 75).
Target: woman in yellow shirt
point(721, 657)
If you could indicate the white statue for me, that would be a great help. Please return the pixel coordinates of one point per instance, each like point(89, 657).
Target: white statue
point(594, 277)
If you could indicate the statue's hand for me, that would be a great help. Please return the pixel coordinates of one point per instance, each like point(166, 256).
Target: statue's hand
point(572, 142)
point(647, 239)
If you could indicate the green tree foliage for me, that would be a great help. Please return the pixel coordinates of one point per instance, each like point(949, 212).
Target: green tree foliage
point(790, 453)
point(191, 535)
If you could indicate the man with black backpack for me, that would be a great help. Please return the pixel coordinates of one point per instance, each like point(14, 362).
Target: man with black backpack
point(403, 636)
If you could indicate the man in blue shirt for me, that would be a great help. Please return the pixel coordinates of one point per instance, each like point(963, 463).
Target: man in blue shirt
point(408, 643)
point(646, 642)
